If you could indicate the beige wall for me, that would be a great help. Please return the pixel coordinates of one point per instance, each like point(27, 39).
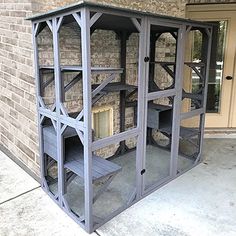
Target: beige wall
point(18, 119)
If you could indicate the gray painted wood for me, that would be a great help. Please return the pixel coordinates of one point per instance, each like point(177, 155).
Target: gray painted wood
point(159, 116)
point(116, 86)
point(75, 156)
point(74, 68)
point(92, 167)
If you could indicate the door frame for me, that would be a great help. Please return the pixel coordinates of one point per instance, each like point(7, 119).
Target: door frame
point(210, 12)
point(175, 92)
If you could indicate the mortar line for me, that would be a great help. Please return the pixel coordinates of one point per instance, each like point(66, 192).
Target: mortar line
point(10, 199)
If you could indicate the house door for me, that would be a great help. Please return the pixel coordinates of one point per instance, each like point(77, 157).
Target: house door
point(221, 102)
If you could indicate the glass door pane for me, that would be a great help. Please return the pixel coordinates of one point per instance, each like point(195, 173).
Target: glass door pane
point(216, 63)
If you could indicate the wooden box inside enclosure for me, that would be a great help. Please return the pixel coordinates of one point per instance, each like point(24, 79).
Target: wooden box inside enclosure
point(159, 116)
point(121, 105)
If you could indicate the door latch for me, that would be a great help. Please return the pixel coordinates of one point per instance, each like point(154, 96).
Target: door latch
point(143, 171)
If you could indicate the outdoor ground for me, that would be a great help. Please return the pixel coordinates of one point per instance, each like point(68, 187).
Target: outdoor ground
point(200, 202)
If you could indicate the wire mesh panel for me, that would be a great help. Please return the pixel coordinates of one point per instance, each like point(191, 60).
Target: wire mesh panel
point(189, 142)
point(46, 64)
point(50, 161)
point(114, 84)
point(114, 180)
point(73, 164)
point(194, 82)
point(114, 81)
point(71, 66)
point(163, 45)
point(158, 140)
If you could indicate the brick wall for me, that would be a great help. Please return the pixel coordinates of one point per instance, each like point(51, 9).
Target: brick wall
point(18, 130)
point(172, 7)
point(18, 120)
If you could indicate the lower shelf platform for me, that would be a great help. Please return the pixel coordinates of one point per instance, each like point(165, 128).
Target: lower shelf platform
point(185, 132)
point(101, 168)
point(74, 155)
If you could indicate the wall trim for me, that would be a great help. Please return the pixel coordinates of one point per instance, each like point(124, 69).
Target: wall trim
point(220, 133)
point(204, 7)
point(19, 163)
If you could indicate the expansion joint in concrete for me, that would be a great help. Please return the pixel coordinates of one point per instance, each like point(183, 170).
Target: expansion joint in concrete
point(10, 199)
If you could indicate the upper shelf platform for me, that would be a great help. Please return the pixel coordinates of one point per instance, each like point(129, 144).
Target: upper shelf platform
point(116, 87)
point(76, 68)
point(171, 63)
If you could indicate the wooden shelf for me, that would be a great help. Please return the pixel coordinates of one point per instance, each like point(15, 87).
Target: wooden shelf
point(171, 63)
point(185, 132)
point(76, 68)
point(74, 155)
point(159, 107)
point(101, 168)
point(116, 87)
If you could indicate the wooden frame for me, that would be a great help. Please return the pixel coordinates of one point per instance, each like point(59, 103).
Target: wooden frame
point(141, 23)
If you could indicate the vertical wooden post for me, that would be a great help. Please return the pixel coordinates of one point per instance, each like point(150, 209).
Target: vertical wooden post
point(151, 82)
point(123, 51)
point(87, 93)
point(57, 74)
point(179, 71)
point(38, 93)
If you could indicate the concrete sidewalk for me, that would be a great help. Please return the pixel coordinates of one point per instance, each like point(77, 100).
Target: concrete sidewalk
point(200, 202)
point(25, 210)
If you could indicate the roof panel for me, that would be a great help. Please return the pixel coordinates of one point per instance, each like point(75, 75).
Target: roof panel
point(80, 4)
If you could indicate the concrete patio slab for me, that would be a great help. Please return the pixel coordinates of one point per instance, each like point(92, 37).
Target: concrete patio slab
point(13, 180)
point(35, 214)
point(200, 202)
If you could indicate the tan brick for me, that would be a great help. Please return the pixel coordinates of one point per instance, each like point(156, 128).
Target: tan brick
point(18, 14)
point(25, 112)
point(15, 98)
point(4, 141)
point(16, 90)
point(7, 134)
point(25, 149)
point(6, 100)
point(14, 114)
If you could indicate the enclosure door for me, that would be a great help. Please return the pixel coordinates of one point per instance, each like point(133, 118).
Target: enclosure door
point(159, 104)
point(221, 105)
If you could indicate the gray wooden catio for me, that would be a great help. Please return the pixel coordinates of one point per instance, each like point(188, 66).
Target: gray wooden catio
point(121, 104)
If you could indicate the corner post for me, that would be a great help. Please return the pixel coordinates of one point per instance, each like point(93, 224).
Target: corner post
point(177, 100)
point(86, 67)
point(37, 84)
